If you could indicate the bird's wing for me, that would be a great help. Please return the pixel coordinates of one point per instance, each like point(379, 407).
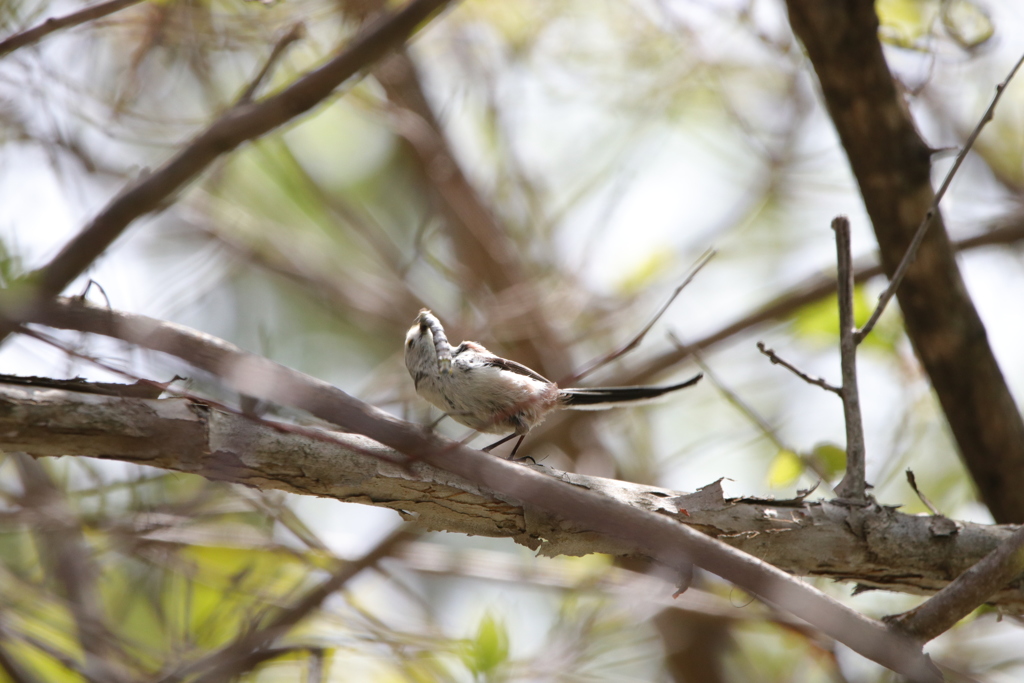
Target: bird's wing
point(490, 360)
point(518, 368)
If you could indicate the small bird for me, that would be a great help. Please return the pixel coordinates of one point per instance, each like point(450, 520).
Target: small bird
point(495, 395)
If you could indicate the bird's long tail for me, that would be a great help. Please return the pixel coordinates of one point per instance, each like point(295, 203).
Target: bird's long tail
point(602, 398)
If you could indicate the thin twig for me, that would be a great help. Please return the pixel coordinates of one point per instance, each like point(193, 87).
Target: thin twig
point(912, 480)
point(853, 486)
point(40, 31)
point(969, 590)
point(296, 32)
point(915, 243)
point(816, 381)
point(601, 361)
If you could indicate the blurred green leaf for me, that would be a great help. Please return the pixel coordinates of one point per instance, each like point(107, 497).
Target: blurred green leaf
point(904, 22)
point(818, 322)
point(647, 272)
point(786, 468)
point(488, 649)
point(830, 458)
point(967, 23)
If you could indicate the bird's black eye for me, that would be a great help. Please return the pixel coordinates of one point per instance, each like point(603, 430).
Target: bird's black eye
point(408, 342)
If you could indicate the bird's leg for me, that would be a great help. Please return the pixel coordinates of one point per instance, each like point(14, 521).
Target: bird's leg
point(512, 455)
point(433, 425)
point(501, 441)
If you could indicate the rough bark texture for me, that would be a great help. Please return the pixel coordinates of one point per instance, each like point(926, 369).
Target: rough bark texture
point(892, 165)
point(875, 546)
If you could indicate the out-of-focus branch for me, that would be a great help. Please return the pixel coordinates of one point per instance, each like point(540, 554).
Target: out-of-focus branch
point(296, 32)
point(238, 657)
point(37, 33)
point(892, 166)
point(68, 560)
point(237, 126)
point(807, 292)
point(486, 253)
point(638, 338)
point(659, 536)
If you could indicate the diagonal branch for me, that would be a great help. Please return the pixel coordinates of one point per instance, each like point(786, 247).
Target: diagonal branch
point(658, 536)
point(638, 338)
point(776, 359)
point(37, 33)
point(915, 244)
point(954, 602)
point(237, 126)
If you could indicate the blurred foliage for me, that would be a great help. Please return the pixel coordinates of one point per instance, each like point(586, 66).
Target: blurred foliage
point(611, 143)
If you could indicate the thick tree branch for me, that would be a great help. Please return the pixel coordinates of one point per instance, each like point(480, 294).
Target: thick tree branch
point(654, 534)
point(876, 547)
point(892, 166)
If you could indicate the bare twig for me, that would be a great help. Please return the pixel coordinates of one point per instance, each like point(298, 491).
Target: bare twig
point(601, 361)
point(940, 612)
point(816, 381)
point(912, 480)
point(37, 33)
point(915, 244)
point(853, 485)
point(658, 536)
point(296, 32)
point(238, 125)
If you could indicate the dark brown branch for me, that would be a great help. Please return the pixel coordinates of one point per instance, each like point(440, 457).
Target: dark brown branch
point(954, 602)
point(237, 126)
point(37, 33)
point(816, 381)
point(656, 535)
point(926, 222)
point(892, 166)
point(853, 485)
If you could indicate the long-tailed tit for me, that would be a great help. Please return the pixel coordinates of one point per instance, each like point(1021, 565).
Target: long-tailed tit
point(496, 395)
